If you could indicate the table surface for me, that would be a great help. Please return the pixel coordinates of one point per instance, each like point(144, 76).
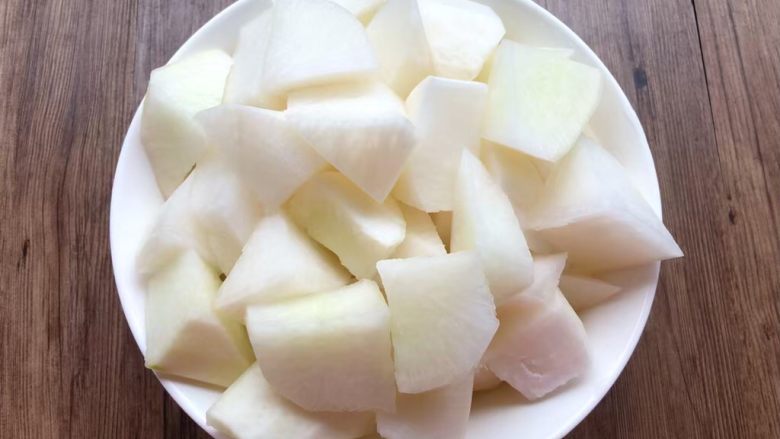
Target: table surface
point(704, 76)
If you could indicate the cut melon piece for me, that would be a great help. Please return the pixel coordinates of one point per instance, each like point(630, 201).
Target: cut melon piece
point(484, 75)
point(442, 413)
point(278, 263)
point(397, 35)
point(485, 379)
point(447, 114)
point(362, 9)
point(442, 318)
point(539, 102)
point(338, 215)
point(443, 223)
point(591, 210)
point(421, 237)
point(361, 130)
point(541, 343)
point(172, 139)
point(261, 146)
point(173, 232)
point(251, 409)
point(328, 351)
point(185, 337)
point(245, 83)
point(583, 292)
point(483, 220)
point(517, 175)
point(315, 42)
point(226, 213)
point(462, 34)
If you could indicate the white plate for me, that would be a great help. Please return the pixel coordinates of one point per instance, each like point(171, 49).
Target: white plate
point(614, 327)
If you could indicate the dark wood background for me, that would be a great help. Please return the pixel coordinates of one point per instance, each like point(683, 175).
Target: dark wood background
point(704, 76)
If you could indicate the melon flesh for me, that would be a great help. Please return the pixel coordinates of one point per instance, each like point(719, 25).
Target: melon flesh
point(251, 409)
point(590, 209)
point(315, 42)
point(329, 351)
point(442, 318)
point(225, 212)
point(539, 101)
point(447, 114)
point(261, 146)
point(541, 343)
point(484, 75)
point(172, 139)
point(245, 83)
point(483, 220)
point(397, 35)
point(442, 413)
point(421, 237)
point(462, 34)
point(517, 175)
point(484, 378)
point(583, 292)
point(359, 230)
point(361, 130)
point(278, 263)
point(185, 337)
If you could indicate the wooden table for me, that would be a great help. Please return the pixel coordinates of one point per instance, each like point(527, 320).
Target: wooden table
point(704, 76)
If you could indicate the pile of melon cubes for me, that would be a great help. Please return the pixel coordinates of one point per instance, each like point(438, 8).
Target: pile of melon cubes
point(374, 210)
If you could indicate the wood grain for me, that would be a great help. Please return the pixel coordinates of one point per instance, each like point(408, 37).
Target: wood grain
point(704, 76)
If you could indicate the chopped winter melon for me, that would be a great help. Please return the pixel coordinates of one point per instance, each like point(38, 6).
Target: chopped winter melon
point(315, 42)
point(328, 351)
point(583, 292)
point(397, 35)
point(591, 210)
point(172, 139)
point(541, 343)
point(484, 378)
point(245, 83)
point(447, 114)
point(483, 220)
point(261, 146)
point(421, 237)
point(437, 414)
point(361, 130)
point(539, 102)
point(184, 335)
point(279, 262)
point(351, 224)
point(442, 318)
point(362, 9)
point(462, 34)
point(251, 409)
point(517, 175)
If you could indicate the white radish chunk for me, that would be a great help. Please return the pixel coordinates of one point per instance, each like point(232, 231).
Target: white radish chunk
point(263, 148)
point(437, 414)
point(483, 220)
point(245, 83)
point(462, 34)
point(251, 409)
point(541, 343)
point(421, 237)
point(359, 230)
point(278, 263)
point(315, 42)
point(177, 92)
point(583, 292)
point(447, 114)
point(328, 351)
point(397, 34)
point(591, 210)
point(185, 337)
point(225, 211)
point(442, 318)
point(361, 130)
point(539, 101)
